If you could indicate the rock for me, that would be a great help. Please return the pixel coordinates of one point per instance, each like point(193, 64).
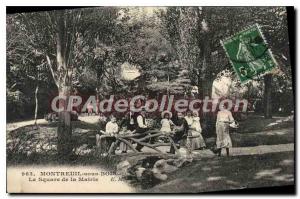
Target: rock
point(159, 175)
point(185, 154)
point(180, 162)
point(162, 166)
point(123, 167)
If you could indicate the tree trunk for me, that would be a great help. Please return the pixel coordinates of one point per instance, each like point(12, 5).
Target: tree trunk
point(207, 118)
point(64, 131)
point(36, 104)
point(268, 96)
point(204, 88)
point(205, 79)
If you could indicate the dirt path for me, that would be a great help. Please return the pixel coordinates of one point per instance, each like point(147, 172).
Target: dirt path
point(241, 151)
point(15, 125)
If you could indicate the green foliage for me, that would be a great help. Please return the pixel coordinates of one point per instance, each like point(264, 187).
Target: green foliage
point(16, 102)
point(174, 48)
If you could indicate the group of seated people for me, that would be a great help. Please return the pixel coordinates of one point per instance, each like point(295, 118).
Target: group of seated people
point(111, 131)
point(184, 129)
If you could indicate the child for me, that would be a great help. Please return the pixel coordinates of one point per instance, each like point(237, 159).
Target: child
point(111, 129)
point(189, 118)
point(166, 122)
point(124, 131)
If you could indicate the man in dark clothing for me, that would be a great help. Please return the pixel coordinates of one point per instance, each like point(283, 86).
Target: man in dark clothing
point(182, 128)
point(141, 127)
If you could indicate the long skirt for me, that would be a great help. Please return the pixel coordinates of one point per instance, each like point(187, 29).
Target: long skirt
point(223, 137)
point(195, 140)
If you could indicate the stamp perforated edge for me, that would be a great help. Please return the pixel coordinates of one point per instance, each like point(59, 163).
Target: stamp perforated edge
point(269, 71)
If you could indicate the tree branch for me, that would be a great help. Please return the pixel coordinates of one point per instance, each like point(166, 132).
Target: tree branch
point(52, 71)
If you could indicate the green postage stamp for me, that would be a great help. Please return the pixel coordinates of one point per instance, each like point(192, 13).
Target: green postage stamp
point(249, 54)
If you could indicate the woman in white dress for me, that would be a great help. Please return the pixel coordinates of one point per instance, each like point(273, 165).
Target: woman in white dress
point(224, 119)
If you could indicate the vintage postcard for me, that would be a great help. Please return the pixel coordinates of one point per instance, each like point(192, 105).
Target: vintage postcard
point(149, 99)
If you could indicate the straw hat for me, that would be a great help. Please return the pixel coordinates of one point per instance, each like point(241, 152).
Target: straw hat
point(166, 112)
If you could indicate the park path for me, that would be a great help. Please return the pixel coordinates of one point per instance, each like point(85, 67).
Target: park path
point(255, 150)
point(235, 151)
point(15, 125)
point(281, 131)
point(262, 149)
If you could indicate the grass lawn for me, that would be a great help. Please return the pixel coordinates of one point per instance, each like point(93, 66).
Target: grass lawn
point(223, 173)
point(257, 123)
point(271, 137)
point(282, 136)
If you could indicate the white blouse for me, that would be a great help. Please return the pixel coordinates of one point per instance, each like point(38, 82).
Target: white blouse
point(189, 120)
point(225, 116)
point(111, 128)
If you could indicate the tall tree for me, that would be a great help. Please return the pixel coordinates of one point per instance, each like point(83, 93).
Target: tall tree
point(20, 62)
point(58, 37)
